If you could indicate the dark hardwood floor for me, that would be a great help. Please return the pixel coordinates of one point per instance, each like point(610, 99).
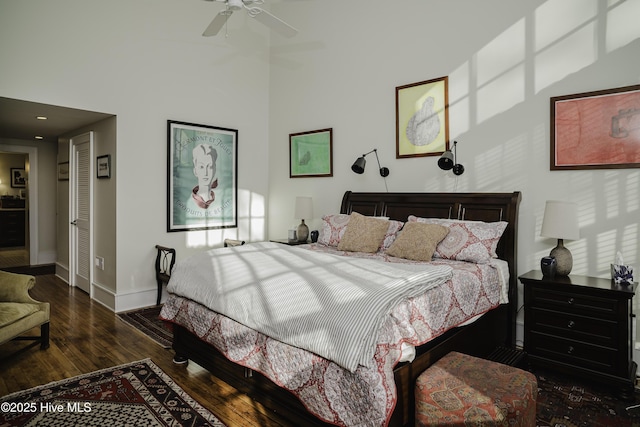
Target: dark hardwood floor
point(86, 336)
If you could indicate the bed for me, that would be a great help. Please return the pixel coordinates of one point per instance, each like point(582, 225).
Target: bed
point(261, 366)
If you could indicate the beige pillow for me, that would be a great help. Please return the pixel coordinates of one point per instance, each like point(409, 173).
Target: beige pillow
point(363, 234)
point(417, 241)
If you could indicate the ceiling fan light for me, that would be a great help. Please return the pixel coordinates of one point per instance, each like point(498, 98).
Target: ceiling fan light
point(235, 4)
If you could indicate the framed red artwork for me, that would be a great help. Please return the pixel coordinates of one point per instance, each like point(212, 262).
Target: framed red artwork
point(596, 130)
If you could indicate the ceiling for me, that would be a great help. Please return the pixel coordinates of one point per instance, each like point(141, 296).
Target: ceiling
point(18, 120)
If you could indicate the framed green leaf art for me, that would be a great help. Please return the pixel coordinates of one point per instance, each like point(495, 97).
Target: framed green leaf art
point(311, 154)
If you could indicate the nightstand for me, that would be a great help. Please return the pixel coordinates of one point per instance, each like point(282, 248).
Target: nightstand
point(581, 325)
point(289, 242)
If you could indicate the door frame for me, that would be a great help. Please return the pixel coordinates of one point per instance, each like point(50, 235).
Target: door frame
point(73, 141)
point(32, 196)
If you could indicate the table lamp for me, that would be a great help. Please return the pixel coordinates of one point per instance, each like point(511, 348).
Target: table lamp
point(560, 222)
point(304, 209)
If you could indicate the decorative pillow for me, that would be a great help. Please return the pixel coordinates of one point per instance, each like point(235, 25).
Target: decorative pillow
point(334, 226)
point(391, 234)
point(418, 241)
point(363, 234)
point(473, 241)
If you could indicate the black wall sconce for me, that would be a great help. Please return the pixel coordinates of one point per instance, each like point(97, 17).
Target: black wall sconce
point(448, 161)
point(359, 164)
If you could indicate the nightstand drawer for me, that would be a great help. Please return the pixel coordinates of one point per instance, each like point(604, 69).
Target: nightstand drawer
point(574, 326)
point(572, 352)
point(572, 302)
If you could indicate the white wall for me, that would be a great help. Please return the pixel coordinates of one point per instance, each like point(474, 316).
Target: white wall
point(504, 60)
point(146, 62)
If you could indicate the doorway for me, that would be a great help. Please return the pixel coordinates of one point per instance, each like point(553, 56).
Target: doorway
point(81, 196)
point(18, 206)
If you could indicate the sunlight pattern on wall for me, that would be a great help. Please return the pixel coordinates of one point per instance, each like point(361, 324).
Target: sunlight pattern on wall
point(622, 24)
point(459, 102)
point(518, 70)
point(251, 224)
point(564, 34)
point(501, 72)
point(562, 17)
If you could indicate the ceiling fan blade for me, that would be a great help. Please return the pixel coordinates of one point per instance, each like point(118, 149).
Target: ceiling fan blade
point(218, 22)
point(272, 22)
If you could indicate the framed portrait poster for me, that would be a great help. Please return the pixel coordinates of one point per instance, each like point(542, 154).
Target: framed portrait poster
point(596, 130)
point(202, 177)
point(422, 118)
point(18, 178)
point(311, 154)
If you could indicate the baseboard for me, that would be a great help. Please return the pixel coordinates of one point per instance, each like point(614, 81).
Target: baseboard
point(62, 271)
point(104, 296)
point(33, 270)
point(135, 300)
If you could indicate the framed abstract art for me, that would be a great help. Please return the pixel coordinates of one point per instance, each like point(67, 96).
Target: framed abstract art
point(596, 130)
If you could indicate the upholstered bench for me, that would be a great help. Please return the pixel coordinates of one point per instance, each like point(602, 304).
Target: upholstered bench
point(461, 390)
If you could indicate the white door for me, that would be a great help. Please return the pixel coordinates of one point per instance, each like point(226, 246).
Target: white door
point(80, 231)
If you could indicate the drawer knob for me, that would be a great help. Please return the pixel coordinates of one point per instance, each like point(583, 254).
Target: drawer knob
point(570, 300)
point(570, 349)
point(571, 324)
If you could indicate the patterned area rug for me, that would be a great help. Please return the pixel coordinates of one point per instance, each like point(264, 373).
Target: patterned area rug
point(146, 320)
point(135, 394)
point(568, 402)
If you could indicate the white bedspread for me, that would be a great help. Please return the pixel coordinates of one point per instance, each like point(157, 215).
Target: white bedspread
point(327, 304)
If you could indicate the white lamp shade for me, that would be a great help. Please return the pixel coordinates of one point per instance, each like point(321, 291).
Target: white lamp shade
point(304, 208)
point(560, 220)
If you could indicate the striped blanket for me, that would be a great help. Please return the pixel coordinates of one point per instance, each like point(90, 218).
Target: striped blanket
point(330, 305)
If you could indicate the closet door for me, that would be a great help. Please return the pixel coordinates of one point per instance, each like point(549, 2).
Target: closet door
point(81, 212)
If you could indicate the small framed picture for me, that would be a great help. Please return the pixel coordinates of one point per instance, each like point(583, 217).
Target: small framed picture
point(63, 171)
point(18, 178)
point(311, 154)
point(103, 166)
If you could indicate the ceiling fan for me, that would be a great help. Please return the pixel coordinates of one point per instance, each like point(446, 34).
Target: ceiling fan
point(258, 13)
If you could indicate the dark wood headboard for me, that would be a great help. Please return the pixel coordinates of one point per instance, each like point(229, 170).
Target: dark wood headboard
point(488, 207)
